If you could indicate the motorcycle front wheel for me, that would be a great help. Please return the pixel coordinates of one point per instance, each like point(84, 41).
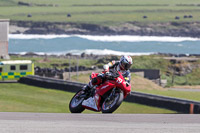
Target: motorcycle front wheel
point(111, 104)
point(75, 105)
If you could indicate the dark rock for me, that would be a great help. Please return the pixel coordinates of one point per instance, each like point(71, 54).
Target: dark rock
point(29, 15)
point(83, 55)
point(177, 17)
point(68, 54)
point(190, 16)
point(144, 16)
point(82, 68)
point(66, 70)
point(30, 54)
point(55, 65)
point(68, 15)
point(65, 64)
point(24, 4)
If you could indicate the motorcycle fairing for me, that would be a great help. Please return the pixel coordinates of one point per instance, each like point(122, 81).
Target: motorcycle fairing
point(105, 87)
point(92, 103)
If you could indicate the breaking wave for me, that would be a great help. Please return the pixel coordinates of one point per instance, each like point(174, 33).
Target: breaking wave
point(113, 38)
point(89, 52)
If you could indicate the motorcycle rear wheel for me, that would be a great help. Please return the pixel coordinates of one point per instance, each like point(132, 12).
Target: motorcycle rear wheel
point(75, 105)
point(109, 106)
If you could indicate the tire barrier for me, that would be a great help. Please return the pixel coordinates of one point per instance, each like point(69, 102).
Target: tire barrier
point(51, 83)
point(179, 105)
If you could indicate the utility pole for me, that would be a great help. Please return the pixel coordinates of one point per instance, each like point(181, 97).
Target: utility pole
point(173, 77)
point(69, 67)
point(77, 70)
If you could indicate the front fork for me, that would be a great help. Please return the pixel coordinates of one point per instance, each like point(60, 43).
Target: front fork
point(112, 94)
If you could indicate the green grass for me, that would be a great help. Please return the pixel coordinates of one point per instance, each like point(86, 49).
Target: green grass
point(56, 62)
point(23, 98)
point(15, 97)
point(102, 12)
point(150, 62)
point(189, 79)
point(7, 3)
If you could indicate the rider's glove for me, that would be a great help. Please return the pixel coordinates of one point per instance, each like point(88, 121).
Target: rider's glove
point(109, 75)
point(100, 75)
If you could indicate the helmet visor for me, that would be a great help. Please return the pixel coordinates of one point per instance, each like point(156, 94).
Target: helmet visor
point(126, 66)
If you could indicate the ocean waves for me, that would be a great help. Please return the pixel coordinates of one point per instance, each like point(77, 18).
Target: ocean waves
point(105, 52)
point(114, 38)
point(102, 45)
point(88, 52)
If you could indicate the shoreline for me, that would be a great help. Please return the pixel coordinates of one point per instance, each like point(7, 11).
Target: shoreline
point(106, 38)
point(95, 56)
point(170, 29)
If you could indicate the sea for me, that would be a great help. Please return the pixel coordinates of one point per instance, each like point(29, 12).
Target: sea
point(102, 45)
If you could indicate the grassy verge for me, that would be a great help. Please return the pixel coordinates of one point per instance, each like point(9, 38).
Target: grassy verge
point(105, 12)
point(15, 97)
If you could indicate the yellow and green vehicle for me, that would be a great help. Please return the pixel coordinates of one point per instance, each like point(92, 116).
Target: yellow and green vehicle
point(16, 69)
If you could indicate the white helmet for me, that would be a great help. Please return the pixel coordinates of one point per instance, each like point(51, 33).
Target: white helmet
point(125, 62)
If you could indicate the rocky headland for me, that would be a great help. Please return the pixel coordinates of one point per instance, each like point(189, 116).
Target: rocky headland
point(175, 29)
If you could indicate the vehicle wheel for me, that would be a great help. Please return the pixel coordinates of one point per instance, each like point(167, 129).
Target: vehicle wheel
point(110, 105)
point(75, 105)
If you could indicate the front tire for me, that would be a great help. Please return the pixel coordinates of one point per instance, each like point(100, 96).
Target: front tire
point(109, 106)
point(75, 105)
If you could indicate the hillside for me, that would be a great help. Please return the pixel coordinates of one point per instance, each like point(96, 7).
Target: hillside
point(132, 17)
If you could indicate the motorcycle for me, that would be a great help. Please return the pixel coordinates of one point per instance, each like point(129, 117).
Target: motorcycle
point(106, 97)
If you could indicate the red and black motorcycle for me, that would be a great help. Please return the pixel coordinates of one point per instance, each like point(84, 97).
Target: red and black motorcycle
point(106, 97)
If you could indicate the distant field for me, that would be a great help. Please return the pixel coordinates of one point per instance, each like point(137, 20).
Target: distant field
point(102, 12)
point(15, 97)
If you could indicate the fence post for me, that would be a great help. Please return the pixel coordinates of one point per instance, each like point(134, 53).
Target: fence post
point(191, 108)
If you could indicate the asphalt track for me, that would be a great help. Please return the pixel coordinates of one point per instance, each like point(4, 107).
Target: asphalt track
point(98, 123)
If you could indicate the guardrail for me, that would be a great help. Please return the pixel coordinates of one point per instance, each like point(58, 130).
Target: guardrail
point(179, 105)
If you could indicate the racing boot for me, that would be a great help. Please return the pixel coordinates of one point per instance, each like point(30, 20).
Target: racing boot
point(86, 88)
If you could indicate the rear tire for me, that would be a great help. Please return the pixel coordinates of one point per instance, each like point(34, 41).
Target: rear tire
point(115, 103)
point(75, 105)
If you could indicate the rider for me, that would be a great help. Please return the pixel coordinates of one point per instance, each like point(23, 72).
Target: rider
point(123, 66)
point(113, 67)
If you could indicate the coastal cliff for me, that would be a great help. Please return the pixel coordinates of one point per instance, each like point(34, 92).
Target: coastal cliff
point(176, 29)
